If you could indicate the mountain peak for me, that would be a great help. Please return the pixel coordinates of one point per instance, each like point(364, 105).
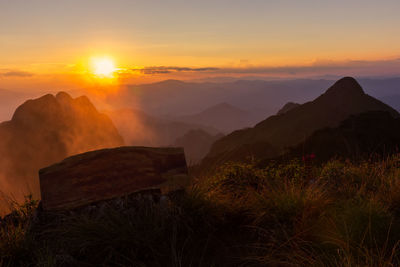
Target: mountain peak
point(63, 96)
point(287, 107)
point(345, 87)
point(341, 100)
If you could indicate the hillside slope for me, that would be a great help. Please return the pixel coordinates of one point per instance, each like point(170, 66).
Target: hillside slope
point(370, 134)
point(344, 98)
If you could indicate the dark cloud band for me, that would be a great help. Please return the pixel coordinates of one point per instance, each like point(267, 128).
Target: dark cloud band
point(316, 68)
point(165, 70)
point(16, 74)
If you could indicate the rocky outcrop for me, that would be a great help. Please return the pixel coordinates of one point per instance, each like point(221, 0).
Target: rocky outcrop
point(110, 173)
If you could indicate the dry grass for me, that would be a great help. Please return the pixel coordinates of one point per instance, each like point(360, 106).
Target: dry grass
point(339, 214)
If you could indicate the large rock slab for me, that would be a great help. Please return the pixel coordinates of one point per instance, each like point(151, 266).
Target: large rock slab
point(108, 173)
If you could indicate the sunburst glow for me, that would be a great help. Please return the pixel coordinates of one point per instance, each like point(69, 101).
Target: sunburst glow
point(103, 67)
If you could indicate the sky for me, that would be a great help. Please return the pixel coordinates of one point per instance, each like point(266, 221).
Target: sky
point(45, 43)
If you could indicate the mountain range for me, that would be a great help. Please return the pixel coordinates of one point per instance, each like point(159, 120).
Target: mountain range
point(172, 98)
point(57, 126)
point(279, 132)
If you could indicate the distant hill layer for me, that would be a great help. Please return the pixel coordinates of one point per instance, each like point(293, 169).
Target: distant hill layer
point(344, 98)
point(287, 107)
point(46, 130)
point(177, 98)
point(140, 129)
point(172, 98)
point(224, 117)
point(197, 144)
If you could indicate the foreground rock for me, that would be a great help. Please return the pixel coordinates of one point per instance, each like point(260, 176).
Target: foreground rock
point(111, 173)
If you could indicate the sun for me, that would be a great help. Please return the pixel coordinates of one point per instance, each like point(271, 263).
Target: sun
point(103, 67)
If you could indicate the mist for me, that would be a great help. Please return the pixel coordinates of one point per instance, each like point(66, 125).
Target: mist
point(43, 131)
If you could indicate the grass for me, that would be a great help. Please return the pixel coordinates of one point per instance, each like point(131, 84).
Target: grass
point(282, 214)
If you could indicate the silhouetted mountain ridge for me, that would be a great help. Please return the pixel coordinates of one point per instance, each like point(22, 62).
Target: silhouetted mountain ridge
point(46, 130)
point(9, 101)
point(345, 87)
point(342, 99)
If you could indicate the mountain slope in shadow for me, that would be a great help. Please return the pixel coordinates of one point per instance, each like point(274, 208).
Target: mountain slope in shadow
point(374, 133)
point(344, 98)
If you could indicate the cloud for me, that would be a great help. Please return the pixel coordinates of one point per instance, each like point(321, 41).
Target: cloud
point(16, 73)
point(171, 69)
point(319, 67)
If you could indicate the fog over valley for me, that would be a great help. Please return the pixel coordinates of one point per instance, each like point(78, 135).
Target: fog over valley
point(169, 113)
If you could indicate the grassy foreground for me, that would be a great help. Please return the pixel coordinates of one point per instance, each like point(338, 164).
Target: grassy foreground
point(337, 214)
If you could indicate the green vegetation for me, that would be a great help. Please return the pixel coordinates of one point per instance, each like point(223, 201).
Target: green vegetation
point(283, 214)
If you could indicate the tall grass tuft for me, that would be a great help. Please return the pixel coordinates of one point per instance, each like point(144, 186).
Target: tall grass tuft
point(339, 213)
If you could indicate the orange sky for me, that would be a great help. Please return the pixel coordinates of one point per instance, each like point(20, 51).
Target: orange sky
point(45, 44)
